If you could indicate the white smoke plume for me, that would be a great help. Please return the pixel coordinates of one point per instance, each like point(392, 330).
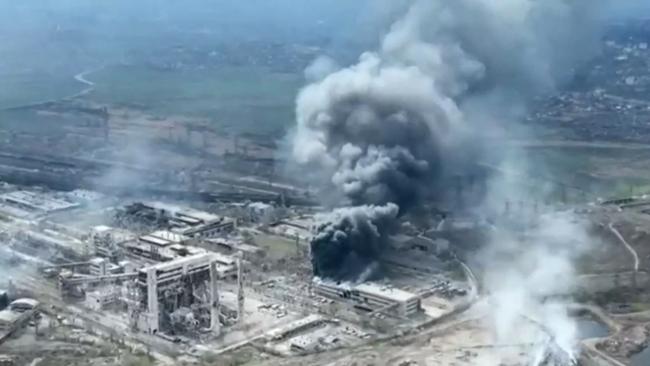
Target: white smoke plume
point(522, 277)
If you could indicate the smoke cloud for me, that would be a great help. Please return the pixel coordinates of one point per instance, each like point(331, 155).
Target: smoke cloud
point(351, 239)
point(392, 127)
point(522, 276)
point(387, 132)
point(320, 68)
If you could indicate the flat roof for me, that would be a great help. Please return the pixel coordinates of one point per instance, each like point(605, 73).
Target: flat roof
point(191, 250)
point(198, 258)
point(163, 238)
point(155, 240)
point(190, 220)
point(25, 301)
point(388, 292)
point(302, 222)
point(373, 289)
point(169, 235)
point(183, 211)
point(37, 201)
point(286, 328)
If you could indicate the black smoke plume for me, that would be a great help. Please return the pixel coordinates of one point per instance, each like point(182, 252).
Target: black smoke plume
point(392, 127)
point(351, 242)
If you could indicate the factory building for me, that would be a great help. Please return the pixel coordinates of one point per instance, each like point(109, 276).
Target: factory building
point(102, 267)
point(183, 221)
point(163, 238)
point(32, 204)
point(173, 283)
point(17, 315)
point(291, 329)
point(161, 246)
point(102, 298)
point(105, 241)
point(301, 228)
point(211, 228)
point(370, 297)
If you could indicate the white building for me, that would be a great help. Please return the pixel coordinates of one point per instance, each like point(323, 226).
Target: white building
point(370, 296)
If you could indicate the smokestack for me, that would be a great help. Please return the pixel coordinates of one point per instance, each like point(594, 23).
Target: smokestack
point(240, 292)
point(215, 306)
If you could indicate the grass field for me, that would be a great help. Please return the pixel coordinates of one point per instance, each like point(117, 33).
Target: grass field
point(30, 87)
point(276, 247)
point(599, 172)
point(238, 100)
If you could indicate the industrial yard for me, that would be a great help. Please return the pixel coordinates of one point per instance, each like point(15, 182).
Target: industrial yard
point(161, 279)
point(179, 280)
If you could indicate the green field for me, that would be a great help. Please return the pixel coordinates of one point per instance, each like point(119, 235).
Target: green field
point(276, 247)
point(31, 87)
point(598, 172)
point(235, 99)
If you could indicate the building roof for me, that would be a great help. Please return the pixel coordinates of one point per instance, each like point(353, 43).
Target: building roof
point(198, 258)
point(37, 201)
point(386, 292)
point(186, 250)
point(25, 301)
point(163, 238)
point(168, 235)
point(154, 240)
point(287, 328)
point(372, 289)
point(187, 213)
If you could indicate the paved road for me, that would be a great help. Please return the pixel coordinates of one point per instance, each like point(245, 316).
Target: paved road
point(626, 244)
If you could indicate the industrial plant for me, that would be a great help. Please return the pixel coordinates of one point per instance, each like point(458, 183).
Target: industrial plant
point(367, 183)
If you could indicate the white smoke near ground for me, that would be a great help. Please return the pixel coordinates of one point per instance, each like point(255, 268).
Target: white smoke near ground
point(524, 275)
point(390, 128)
point(134, 164)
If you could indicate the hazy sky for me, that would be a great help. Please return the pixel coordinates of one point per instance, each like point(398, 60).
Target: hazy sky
point(262, 18)
point(84, 32)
